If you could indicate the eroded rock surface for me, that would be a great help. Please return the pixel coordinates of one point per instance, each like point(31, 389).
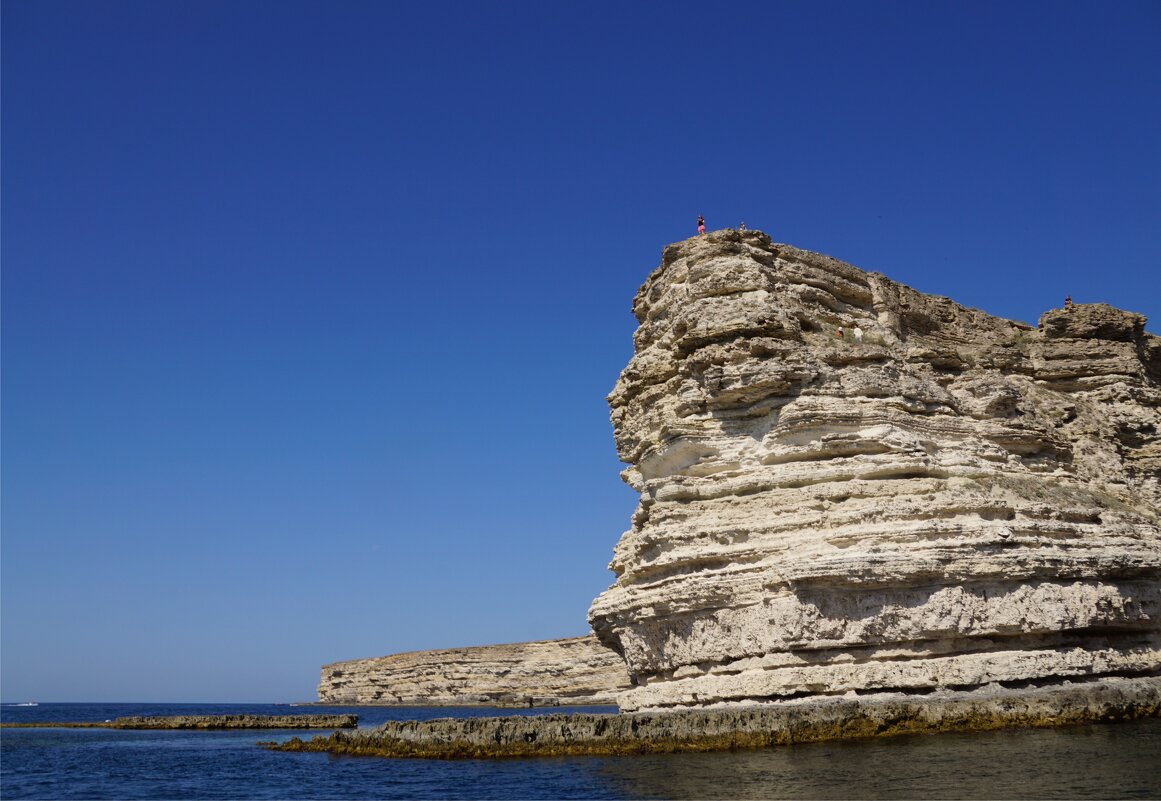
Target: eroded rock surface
point(941, 499)
point(578, 670)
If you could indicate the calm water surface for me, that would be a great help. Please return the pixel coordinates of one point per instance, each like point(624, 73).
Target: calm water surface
point(1111, 761)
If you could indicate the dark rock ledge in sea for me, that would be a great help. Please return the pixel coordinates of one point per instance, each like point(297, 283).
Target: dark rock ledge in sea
point(756, 726)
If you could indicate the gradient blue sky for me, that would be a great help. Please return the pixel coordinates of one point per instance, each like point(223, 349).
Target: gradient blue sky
point(309, 309)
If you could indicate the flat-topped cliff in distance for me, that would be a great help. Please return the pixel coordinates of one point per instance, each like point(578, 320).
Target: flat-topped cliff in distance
point(850, 487)
point(574, 671)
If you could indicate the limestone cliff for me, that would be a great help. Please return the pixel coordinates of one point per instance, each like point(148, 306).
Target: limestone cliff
point(949, 501)
point(578, 670)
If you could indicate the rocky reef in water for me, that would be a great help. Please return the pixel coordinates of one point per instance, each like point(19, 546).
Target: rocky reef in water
point(852, 488)
point(573, 671)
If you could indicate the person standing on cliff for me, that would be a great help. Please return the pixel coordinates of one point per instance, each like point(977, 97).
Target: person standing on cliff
point(700, 224)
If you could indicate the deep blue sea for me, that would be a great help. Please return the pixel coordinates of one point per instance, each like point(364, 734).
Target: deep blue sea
point(1106, 761)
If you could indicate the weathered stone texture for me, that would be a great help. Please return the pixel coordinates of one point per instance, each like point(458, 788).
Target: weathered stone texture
point(953, 501)
point(578, 670)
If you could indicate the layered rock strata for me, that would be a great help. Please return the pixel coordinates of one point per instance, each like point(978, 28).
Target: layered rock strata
point(804, 720)
point(850, 487)
point(578, 670)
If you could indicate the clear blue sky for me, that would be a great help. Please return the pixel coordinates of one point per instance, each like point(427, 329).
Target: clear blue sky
point(309, 308)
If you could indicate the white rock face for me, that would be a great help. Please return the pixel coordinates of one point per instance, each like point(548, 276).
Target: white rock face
point(954, 501)
point(578, 670)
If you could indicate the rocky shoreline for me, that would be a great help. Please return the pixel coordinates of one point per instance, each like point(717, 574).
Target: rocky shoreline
point(205, 722)
point(847, 485)
point(755, 726)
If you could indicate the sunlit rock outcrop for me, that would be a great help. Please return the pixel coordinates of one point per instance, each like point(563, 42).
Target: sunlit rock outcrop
point(848, 486)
